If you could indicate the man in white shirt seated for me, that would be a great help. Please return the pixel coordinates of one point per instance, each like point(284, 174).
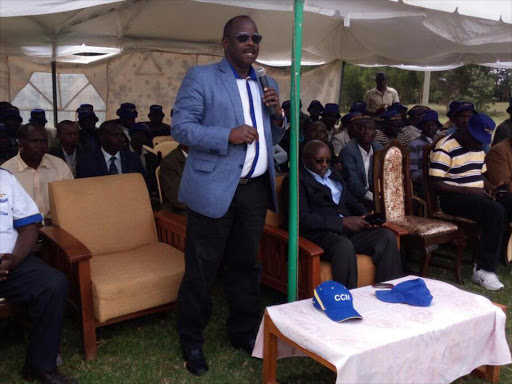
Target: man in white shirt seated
point(34, 168)
point(26, 280)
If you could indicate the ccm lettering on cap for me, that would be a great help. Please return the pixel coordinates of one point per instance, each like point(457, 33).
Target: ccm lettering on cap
point(335, 301)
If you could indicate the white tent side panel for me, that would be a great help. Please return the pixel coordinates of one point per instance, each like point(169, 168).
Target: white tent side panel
point(146, 78)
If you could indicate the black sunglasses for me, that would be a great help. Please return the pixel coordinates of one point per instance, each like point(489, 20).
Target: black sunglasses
point(321, 161)
point(243, 37)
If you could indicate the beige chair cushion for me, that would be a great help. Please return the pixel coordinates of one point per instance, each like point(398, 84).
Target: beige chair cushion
point(365, 271)
point(393, 185)
point(131, 281)
point(420, 226)
point(107, 214)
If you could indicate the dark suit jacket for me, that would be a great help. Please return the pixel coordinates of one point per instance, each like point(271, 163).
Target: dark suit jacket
point(93, 164)
point(317, 211)
point(171, 171)
point(152, 163)
point(353, 168)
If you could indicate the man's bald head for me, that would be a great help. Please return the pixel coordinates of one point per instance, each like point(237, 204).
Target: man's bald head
point(312, 147)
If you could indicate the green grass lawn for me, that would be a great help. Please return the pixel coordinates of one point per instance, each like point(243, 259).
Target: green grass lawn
point(146, 350)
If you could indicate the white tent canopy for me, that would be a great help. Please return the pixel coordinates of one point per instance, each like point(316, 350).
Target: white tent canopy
point(418, 33)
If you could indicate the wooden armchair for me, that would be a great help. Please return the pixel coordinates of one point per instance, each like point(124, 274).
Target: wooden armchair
point(105, 239)
point(393, 198)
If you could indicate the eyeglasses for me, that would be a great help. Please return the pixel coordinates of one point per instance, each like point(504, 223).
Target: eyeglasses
point(321, 161)
point(243, 37)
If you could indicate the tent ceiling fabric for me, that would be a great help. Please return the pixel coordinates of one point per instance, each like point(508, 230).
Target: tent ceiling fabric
point(417, 34)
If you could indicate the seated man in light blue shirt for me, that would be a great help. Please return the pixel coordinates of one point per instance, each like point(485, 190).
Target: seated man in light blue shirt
point(331, 217)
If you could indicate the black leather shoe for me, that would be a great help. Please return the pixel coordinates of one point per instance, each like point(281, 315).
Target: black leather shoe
point(247, 345)
point(56, 377)
point(195, 362)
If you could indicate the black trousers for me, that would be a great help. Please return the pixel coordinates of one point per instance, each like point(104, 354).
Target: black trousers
point(489, 214)
point(42, 290)
point(341, 249)
point(235, 238)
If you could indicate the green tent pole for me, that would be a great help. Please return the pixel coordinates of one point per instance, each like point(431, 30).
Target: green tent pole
point(293, 244)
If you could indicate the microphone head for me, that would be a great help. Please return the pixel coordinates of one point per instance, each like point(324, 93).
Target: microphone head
point(260, 72)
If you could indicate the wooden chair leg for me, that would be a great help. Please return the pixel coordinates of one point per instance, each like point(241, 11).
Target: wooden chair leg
point(88, 322)
point(458, 261)
point(269, 353)
point(425, 260)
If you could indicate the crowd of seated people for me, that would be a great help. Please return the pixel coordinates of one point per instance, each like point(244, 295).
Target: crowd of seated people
point(336, 165)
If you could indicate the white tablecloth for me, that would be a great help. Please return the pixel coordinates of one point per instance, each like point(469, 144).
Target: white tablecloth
point(398, 343)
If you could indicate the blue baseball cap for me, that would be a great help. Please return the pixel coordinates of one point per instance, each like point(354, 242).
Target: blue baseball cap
point(412, 292)
point(429, 116)
point(12, 111)
point(481, 127)
point(358, 106)
point(85, 107)
point(335, 300)
point(139, 127)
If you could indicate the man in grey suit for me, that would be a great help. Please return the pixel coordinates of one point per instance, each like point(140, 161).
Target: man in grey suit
point(222, 114)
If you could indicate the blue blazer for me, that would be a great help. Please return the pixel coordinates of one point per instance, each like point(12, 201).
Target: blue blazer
point(93, 164)
point(353, 168)
point(207, 108)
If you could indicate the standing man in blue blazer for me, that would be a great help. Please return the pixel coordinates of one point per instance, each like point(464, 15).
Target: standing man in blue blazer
point(222, 114)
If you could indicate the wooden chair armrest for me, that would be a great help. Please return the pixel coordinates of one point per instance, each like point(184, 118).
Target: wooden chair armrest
point(309, 248)
point(169, 220)
point(396, 229)
point(74, 250)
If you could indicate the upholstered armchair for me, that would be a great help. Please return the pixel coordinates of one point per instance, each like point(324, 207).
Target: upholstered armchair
point(105, 239)
point(393, 198)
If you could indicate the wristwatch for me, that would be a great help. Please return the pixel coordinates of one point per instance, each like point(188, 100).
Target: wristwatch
point(280, 118)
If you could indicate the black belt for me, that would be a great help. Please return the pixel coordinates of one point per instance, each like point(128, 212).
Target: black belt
point(243, 181)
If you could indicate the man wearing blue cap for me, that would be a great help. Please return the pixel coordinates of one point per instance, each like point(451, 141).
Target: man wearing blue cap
point(391, 129)
point(12, 121)
point(459, 177)
point(504, 130)
point(155, 125)
point(315, 109)
point(359, 106)
point(127, 113)
point(330, 216)
point(330, 116)
point(357, 160)
point(452, 107)
point(87, 119)
point(140, 136)
point(380, 97)
point(429, 126)
point(410, 130)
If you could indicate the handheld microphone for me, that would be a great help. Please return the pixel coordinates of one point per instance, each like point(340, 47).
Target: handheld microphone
point(261, 74)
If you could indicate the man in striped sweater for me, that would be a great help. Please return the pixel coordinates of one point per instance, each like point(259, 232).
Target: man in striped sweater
point(458, 170)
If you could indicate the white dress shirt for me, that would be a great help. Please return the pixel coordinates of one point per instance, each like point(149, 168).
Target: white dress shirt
point(367, 156)
point(117, 161)
point(71, 160)
point(262, 164)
